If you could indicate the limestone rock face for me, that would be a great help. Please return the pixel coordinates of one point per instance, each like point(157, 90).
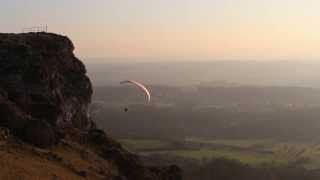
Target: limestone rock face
point(42, 85)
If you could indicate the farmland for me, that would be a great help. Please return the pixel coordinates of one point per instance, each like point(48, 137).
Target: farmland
point(251, 152)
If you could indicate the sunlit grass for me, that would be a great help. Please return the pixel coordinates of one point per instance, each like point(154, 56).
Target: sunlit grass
point(144, 144)
point(247, 158)
point(252, 152)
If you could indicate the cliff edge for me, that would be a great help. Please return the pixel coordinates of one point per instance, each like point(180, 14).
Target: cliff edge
point(47, 132)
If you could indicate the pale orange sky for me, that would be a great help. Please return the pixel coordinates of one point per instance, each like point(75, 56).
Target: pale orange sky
point(177, 29)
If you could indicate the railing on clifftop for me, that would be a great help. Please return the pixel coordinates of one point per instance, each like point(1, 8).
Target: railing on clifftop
point(35, 29)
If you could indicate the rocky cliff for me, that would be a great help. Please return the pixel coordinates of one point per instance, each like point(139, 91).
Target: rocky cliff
point(44, 98)
point(42, 80)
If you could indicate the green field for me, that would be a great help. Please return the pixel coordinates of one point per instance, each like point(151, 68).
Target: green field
point(145, 144)
point(252, 152)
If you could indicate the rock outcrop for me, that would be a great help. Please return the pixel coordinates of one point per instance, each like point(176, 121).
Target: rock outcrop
point(43, 84)
point(44, 99)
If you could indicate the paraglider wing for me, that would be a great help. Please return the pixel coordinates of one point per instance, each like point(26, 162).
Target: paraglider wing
point(141, 86)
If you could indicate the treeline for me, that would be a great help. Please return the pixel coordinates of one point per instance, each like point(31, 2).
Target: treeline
point(180, 122)
point(221, 169)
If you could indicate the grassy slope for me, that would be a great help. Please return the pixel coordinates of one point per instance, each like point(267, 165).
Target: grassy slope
point(66, 161)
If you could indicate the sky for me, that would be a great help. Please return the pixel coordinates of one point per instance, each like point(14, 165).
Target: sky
point(154, 30)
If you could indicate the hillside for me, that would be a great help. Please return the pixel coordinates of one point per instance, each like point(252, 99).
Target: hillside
point(64, 161)
point(46, 130)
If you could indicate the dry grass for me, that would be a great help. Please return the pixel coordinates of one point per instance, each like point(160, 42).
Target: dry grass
point(19, 161)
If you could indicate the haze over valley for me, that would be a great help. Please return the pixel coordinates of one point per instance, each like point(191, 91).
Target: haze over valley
point(160, 89)
point(253, 112)
point(193, 73)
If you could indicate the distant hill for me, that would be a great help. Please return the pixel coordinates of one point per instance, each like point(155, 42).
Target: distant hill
point(271, 73)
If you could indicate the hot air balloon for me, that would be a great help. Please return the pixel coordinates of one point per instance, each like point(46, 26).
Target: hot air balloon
point(140, 86)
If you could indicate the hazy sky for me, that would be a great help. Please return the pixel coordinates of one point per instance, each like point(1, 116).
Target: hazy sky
point(176, 29)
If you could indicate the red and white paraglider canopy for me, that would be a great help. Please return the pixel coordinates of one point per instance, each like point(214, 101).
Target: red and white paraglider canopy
point(140, 86)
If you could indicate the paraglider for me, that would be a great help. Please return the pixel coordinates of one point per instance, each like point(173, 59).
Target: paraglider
point(140, 86)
